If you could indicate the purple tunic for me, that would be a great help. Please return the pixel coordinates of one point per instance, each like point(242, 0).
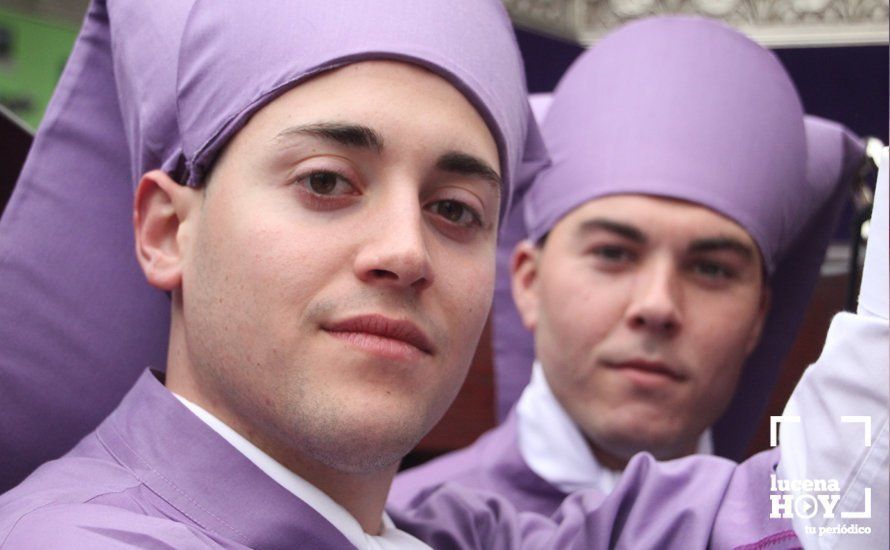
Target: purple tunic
point(154, 475)
point(694, 502)
point(62, 316)
point(493, 463)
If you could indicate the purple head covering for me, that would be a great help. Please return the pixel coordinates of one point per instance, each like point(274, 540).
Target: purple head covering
point(165, 85)
point(628, 115)
point(234, 57)
point(688, 108)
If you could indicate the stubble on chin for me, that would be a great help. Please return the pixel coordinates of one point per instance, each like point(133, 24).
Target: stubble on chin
point(349, 440)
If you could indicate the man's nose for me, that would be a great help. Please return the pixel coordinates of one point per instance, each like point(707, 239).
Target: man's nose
point(656, 302)
point(395, 252)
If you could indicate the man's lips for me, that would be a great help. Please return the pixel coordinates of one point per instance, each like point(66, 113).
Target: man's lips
point(380, 333)
point(646, 366)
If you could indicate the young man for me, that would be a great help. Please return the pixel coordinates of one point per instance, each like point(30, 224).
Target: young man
point(324, 219)
point(834, 436)
point(78, 323)
point(676, 222)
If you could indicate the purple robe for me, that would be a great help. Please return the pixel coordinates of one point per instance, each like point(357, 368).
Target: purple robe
point(492, 463)
point(151, 475)
point(693, 502)
point(154, 475)
point(62, 314)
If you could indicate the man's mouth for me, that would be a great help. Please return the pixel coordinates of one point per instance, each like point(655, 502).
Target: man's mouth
point(384, 336)
point(646, 370)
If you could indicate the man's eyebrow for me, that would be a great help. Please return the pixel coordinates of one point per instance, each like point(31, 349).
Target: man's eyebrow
point(469, 165)
point(621, 229)
point(342, 133)
point(716, 244)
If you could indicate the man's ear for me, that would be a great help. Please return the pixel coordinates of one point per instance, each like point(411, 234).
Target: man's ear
point(766, 299)
point(160, 208)
point(524, 273)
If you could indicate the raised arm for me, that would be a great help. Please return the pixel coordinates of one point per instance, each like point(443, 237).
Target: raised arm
point(835, 426)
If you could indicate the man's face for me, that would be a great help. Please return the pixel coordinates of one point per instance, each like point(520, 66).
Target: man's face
point(341, 269)
point(644, 310)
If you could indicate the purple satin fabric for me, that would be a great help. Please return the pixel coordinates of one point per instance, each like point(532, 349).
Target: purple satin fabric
point(154, 475)
point(165, 85)
point(78, 322)
point(492, 463)
point(693, 502)
point(651, 110)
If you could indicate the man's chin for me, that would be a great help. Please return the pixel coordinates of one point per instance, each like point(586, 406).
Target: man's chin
point(617, 443)
point(364, 444)
point(360, 461)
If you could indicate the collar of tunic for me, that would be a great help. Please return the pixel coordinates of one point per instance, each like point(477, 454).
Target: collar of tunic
point(390, 538)
point(554, 447)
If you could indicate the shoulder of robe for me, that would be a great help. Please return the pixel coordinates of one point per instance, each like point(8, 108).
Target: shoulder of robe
point(452, 516)
point(474, 466)
point(88, 526)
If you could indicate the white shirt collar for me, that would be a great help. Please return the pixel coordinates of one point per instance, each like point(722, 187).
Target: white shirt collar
point(391, 538)
point(554, 447)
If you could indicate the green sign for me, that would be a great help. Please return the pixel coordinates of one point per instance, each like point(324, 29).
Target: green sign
point(32, 55)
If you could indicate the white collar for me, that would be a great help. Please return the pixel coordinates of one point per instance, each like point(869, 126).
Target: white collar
point(391, 538)
point(554, 447)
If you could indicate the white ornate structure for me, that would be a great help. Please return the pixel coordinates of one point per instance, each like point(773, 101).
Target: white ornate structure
point(775, 23)
point(770, 22)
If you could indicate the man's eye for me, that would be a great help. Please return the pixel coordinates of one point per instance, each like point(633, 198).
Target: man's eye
point(613, 253)
point(712, 270)
point(456, 212)
point(327, 183)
